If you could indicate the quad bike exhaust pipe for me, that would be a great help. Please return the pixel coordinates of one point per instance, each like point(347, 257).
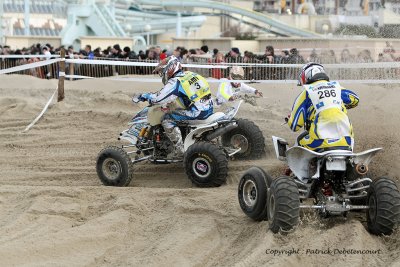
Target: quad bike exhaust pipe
point(220, 132)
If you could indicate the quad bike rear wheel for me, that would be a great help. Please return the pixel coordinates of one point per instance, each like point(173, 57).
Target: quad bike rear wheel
point(248, 137)
point(114, 167)
point(206, 165)
point(283, 205)
point(252, 193)
point(383, 199)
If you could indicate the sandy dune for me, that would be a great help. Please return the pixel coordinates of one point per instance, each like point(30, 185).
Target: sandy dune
point(55, 212)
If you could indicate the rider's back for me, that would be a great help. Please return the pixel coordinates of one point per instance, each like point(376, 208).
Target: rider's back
point(323, 105)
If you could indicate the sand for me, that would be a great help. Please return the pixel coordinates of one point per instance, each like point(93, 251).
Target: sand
point(54, 211)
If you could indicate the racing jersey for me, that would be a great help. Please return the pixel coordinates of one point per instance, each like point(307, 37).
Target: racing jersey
point(226, 90)
point(324, 106)
point(188, 89)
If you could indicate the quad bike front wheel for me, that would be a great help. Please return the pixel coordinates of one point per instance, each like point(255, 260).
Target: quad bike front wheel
point(383, 199)
point(283, 205)
point(248, 137)
point(206, 165)
point(114, 167)
point(252, 193)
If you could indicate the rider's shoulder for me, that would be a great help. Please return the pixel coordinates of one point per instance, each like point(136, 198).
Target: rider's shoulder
point(171, 82)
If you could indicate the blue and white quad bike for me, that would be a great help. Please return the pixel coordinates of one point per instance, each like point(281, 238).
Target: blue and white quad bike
point(207, 144)
point(333, 182)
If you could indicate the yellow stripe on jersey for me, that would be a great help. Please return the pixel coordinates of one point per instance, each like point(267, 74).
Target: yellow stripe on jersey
point(222, 91)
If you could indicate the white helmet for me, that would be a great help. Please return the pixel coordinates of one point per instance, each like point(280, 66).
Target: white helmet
point(236, 73)
point(167, 68)
point(312, 72)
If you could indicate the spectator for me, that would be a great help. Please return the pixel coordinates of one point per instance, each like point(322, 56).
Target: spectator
point(89, 53)
point(294, 57)
point(46, 52)
point(6, 50)
point(215, 52)
point(70, 51)
point(82, 53)
point(381, 58)
point(346, 57)
point(116, 51)
point(250, 72)
point(151, 54)
point(217, 73)
point(204, 49)
point(97, 52)
point(284, 56)
point(364, 56)
point(163, 54)
point(234, 55)
point(389, 52)
point(248, 57)
point(269, 55)
point(157, 52)
point(50, 48)
point(47, 68)
point(184, 53)
point(285, 53)
point(177, 54)
point(107, 52)
point(142, 55)
point(189, 57)
point(314, 57)
point(205, 52)
point(127, 53)
point(332, 57)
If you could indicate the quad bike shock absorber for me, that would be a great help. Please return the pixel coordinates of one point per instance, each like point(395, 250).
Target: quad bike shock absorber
point(142, 132)
point(146, 134)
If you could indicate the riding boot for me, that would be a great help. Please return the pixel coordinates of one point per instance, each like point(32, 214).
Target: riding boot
point(175, 135)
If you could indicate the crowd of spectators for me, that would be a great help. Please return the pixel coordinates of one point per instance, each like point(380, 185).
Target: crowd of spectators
point(200, 55)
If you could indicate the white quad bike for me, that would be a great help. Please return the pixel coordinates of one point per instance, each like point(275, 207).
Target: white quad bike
point(332, 182)
point(205, 158)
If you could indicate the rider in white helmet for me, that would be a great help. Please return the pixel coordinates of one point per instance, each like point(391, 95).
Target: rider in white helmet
point(322, 105)
point(187, 95)
point(229, 89)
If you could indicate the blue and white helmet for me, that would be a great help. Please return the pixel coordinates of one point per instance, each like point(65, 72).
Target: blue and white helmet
point(309, 71)
point(167, 68)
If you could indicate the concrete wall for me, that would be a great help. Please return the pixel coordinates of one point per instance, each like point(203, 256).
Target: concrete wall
point(19, 42)
point(211, 28)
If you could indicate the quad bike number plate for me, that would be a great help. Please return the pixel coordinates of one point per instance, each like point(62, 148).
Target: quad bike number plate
point(336, 165)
